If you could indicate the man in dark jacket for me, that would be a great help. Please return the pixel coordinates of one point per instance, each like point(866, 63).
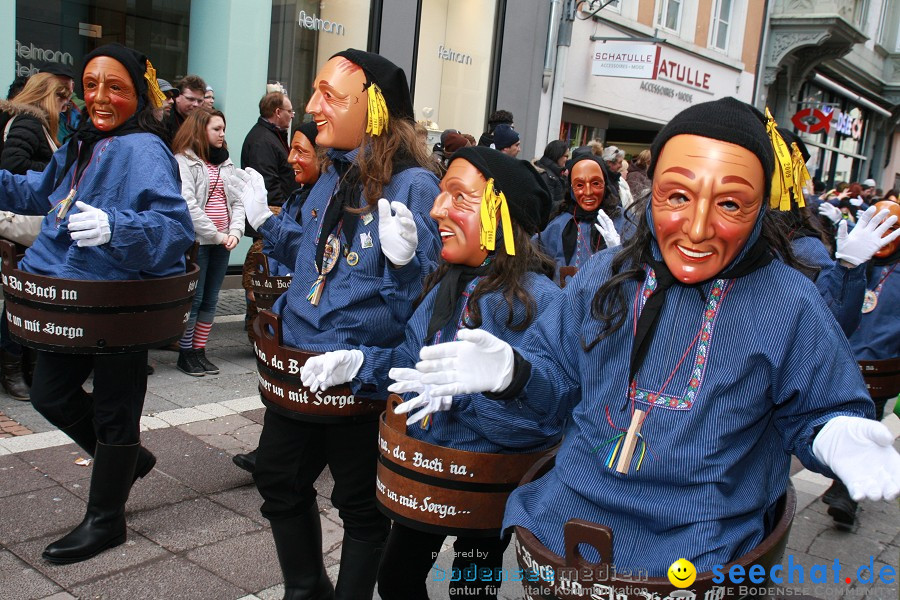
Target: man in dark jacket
point(265, 149)
point(497, 117)
point(190, 96)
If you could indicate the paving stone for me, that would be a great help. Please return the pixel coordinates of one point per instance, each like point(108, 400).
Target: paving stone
point(152, 491)
point(58, 462)
point(226, 425)
point(60, 596)
point(18, 476)
point(193, 463)
point(21, 582)
point(51, 510)
point(155, 404)
point(135, 551)
point(189, 524)
point(244, 500)
point(248, 560)
point(255, 415)
point(849, 548)
point(174, 577)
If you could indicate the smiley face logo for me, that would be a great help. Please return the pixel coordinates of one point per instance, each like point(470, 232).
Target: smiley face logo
point(681, 573)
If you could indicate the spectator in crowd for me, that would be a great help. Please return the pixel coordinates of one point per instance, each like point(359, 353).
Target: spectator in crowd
point(506, 140)
point(217, 211)
point(266, 150)
point(190, 97)
point(868, 188)
point(497, 117)
point(209, 98)
point(637, 177)
point(16, 86)
point(70, 115)
point(451, 141)
point(170, 93)
point(552, 167)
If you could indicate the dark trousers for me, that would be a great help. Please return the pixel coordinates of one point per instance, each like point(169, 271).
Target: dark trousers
point(291, 456)
point(120, 383)
point(410, 554)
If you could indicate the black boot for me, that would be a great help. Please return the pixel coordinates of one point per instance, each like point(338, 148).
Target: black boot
point(359, 569)
point(82, 433)
point(29, 359)
point(188, 363)
point(246, 461)
point(208, 367)
point(298, 541)
point(104, 522)
point(842, 507)
point(12, 378)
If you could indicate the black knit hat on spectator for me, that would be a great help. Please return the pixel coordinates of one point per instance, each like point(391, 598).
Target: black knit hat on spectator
point(515, 188)
point(310, 130)
point(727, 120)
point(389, 96)
point(504, 136)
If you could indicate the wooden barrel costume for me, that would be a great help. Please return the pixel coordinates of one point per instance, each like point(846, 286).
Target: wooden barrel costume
point(266, 288)
point(443, 490)
point(566, 273)
point(280, 385)
point(882, 377)
point(573, 577)
point(95, 317)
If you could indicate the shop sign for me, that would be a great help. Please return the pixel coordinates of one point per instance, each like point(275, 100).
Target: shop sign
point(814, 120)
point(43, 55)
point(316, 24)
point(688, 75)
point(625, 59)
point(453, 56)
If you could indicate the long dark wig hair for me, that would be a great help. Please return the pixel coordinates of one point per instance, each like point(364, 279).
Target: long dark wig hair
point(506, 273)
point(610, 306)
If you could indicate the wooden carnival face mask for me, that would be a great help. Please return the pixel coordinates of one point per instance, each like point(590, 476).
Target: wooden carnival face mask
point(109, 94)
point(339, 104)
point(303, 159)
point(457, 210)
point(706, 198)
point(588, 184)
point(894, 208)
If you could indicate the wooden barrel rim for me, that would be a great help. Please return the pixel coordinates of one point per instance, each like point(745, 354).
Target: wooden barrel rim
point(579, 531)
point(880, 368)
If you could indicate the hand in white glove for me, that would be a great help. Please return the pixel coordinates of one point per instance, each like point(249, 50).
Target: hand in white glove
point(827, 209)
point(410, 380)
point(250, 187)
point(861, 453)
point(477, 362)
point(90, 227)
point(332, 368)
point(397, 233)
point(865, 240)
point(856, 201)
point(607, 229)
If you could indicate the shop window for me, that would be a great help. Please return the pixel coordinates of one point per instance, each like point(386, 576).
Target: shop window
point(305, 34)
point(453, 64)
point(64, 31)
point(721, 24)
point(668, 14)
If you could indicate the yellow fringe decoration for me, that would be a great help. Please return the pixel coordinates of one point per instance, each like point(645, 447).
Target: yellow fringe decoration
point(790, 173)
point(378, 113)
point(156, 95)
point(491, 200)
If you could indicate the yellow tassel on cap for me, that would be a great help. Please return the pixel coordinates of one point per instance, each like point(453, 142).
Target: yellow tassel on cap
point(790, 173)
point(156, 95)
point(491, 200)
point(378, 113)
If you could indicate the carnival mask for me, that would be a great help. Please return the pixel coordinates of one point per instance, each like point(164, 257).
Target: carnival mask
point(109, 94)
point(457, 210)
point(894, 209)
point(302, 158)
point(339, 104)
point(588, 184)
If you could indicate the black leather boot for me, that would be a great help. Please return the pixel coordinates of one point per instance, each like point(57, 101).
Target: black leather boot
point(29, 360)
point(104, 522)
point(82, 433)
point(841, 507)
point(245, 461)
point(298, 541)
point(359, 569)
point(12, 378)
point(188, 363)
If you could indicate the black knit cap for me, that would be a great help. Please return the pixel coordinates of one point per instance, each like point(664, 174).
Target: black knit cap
point(526, 193)
point(727, 120)
point(389, 77)
point(133, 61)
point(310, 130)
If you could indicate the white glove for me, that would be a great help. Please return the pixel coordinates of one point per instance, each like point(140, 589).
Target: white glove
point(861, 453)
point(477, 362)
point(250, 187)
point(397, 233)
point(827, 209)
point(865, 240)
point(607, 229)
point(856, 201)
point(332, 368)
point(90, 227)
point(410, 380)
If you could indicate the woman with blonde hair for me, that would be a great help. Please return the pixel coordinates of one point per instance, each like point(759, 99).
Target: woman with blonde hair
point(30, 124)
point(218, 216)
